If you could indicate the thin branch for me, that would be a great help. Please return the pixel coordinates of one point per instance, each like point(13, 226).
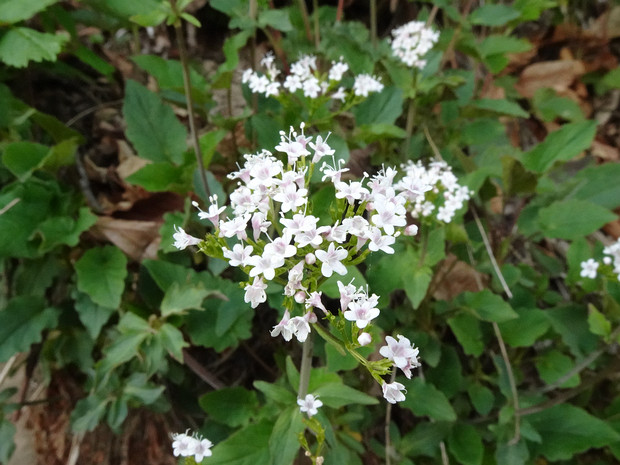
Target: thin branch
point(306, 367)
point(388, 420)
point(189, 101)
point(202, 372)
point(431, 142)
point(90, 110)
point(9, 205)
point(7, 366)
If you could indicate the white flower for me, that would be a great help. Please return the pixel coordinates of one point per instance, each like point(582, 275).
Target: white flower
point(213, 213)
point(314, 300)
point(239, 255)
point(365, 84)
point(362, 311)
point(331, 260)
point(352, 191)
point(339, 94)
point(255, 292)
point(283, 328)
point(392, 392)
point(291, 198)
point(202, 449)
point(321, 148)
point(183, 240)
point(185, 445)
point(588, 268)
point(412, 41)
point(309, 405)
point(337, 70)
point(380, 242)
point(299, 327)
point(265, 264)
point(402, 353)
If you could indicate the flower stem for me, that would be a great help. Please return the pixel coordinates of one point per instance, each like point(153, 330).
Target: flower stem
point(306, 367)
point(373, 23)
point(188, 99)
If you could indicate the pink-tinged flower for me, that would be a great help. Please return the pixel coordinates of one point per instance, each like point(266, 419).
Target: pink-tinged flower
point(182, 444)
point(315, 301)
point(182, 240)
point(321, 149)
point(309, 405)
point(291, 198)
point(393, 392)
point(352, 191)
point(281, 247)
point(402, 353)
point(336, 233)
point(364, 339)
point(265, 264)
point(299, 327)
point(390, 213)
point(362, 311)
point(380, 242)
point(255, 292)
point(239, 255)
point(202, 449)
point(213, 213)
point(411, 230)
point(347, 294)
point(259, 224)
point(331, 260)
point(235, 227)
point(282, 327)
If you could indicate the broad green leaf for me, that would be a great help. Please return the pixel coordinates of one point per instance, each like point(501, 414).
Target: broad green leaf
point(481, 397)
point(380, 107)
point(101, 273)
point(516, 179)
point(13, 11)
point(169, 73)
point(500, 44)
point(21, 45)
point(275, 393)
point(489, 307)
point(92, 315)
point(612, 79)
point(525, 330)
point(208, 144)
point(512, 454)
point(552, 365)
point(561, 145)
point(598, 184)
point(571, 323)
point(231, 406)
point(172, 340)
point(424, 399)
point(275, 18)
point(465, 444)
point(283, 442)
point(167, 273)
point(22, 158)
point(551, 106)
point(88, 413)
point(598, 323)
point(501, 106)
point(337, 395)
point(416, 284)
point(572, 219)
point(567, 430)
point(180, 297)
point(63, 230)
point(152, 126)
point(466, 328)
point(248, 446)
point(7, 433)
point(424, 439)
point(122, 349)
point(22, 322)
point(330, 286)
point(493, 15)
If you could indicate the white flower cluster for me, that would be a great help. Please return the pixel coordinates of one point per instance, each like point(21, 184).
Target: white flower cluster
point(443, 195)
point(306, 77)
point(412, 41)
point(185, 445)
point(611, 259)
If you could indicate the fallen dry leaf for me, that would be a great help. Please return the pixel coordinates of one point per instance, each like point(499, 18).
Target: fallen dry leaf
point(558, 75)
point(138, 239)
point(456, 277)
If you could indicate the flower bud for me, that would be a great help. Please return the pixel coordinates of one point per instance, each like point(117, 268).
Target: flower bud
point(300, 297)
point(310, 259)
point(364, 339)
point(411, 230)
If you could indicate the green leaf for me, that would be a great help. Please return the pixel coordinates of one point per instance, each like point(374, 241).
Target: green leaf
point(7, 446)
point(512, 454)
point(180, 297)
point(275, 18)
point(567, 430)
point(493, 15)
point(501, 106)
point(598, 184)
point(22, 158)
point(572, 219)
point(571, 323)
point(466, 329)
point(122, 349)
point(152, 127)
point(231, 406)
point(424, 439)
point(552, 365)
point(612, 79)
point(138, 387)
point(248, 446)
point(92, 316)
point(465, 444)
point(380, 107)
point(424, 399)
point(209, 142)
point(551, 106)
point(525, 330)
point(62, 230)
point(101, 274)
point(21, 45)
point(561, 145)
point(284, 442)
point(598, 323)
point(489, 307)
point(173, 341)
point(481, 397)
point(275, 393)
point(416, 284)
point(22, 322)
point(88, 413)
point(495, 44)
point(337, 395)
point(169, 73)
point(13, 11)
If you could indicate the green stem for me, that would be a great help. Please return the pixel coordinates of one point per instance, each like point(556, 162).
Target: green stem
point(306, 367)
point(373, 23)
point(188, 98)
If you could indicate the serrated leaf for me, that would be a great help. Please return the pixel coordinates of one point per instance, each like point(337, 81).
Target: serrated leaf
point(561, 145)
point(22, 322)
point(101, 274)
point(152, 127)
point(13, 11)
point(276, 18)
point(567, 430)
point(21, 45)
point(180, 297)
point(424, 399)
point(489, 307)
point(572, 219)
point(64, 230)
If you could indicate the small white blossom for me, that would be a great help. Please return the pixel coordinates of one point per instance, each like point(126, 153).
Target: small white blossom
point(310, 405)
point(182, 240)
point(365, 84)
point(255, 292)
point(393, 392)
point(185, 445)
point(589, 268)
point(331, 260)
point(402, 353)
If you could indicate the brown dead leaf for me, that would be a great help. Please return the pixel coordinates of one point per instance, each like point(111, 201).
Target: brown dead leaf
point(129, 162)
point(558, 75)
point(456, 277)
point(138, 239)
point(605, 152)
